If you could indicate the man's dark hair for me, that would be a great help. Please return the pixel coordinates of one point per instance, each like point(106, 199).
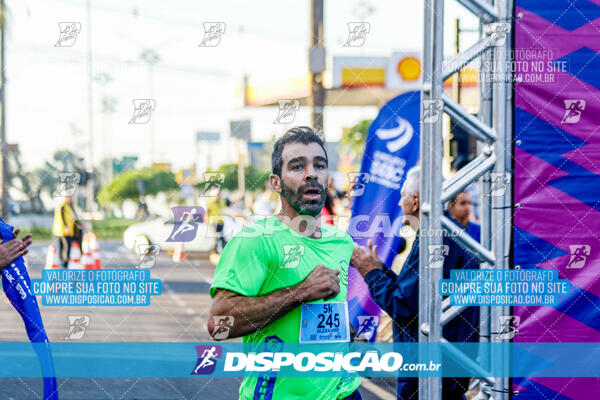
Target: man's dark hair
point(298, 134)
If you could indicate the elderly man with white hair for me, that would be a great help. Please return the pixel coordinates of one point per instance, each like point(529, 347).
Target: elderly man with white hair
point(398, 295)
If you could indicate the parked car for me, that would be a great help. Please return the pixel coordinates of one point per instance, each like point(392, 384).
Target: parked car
point(158, 230)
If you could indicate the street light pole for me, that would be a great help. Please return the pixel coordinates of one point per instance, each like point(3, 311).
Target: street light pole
point(151, 58)
point(90, 181)
point(317, 64)
point(104, 79)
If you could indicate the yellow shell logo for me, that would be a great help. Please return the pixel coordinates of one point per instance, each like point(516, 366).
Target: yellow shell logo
point(409, 68)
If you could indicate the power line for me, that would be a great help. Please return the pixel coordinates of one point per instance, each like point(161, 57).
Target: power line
point(184, 22)
point(35, 50)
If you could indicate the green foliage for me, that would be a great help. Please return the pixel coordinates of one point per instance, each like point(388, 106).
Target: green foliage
point(38, 233)
point(67, 161)
point(46, 179)
point(125, 185)
point(353, 140)
point(111, 228)
point(255, 179)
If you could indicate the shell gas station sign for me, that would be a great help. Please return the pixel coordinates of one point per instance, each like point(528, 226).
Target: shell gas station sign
point(373, 81)
point(400, 71)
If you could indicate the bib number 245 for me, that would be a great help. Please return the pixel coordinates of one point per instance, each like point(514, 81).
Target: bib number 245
point(324, 322)
point(328, 318)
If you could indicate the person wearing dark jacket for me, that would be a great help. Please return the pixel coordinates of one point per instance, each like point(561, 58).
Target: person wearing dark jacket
point(398, 295)
point(459, 210)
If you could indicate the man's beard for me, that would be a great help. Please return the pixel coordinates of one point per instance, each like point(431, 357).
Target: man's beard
point(304, 207)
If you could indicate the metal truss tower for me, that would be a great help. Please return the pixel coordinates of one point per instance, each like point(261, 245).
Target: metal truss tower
point(492, 168)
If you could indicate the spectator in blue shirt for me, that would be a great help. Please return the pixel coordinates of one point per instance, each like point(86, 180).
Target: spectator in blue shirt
point(398, 294)
point(460, 209)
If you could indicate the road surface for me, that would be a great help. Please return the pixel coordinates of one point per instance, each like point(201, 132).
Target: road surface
point(178, 315)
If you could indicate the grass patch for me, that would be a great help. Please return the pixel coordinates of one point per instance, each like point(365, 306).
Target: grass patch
point(37, 233)
point(111, 228)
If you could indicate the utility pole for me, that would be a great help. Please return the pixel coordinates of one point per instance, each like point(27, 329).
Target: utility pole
point(90, 181)
point(457, 86)
point(317, 64)
point(241, 167)
point(151, 58)
point(3, 150)
point(108, 108)
point(457, 44)
point(457, 32)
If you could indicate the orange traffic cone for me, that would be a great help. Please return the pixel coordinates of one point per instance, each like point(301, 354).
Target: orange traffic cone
point(178, 253)
point(93, 243)
point(51, 258)
point(86, 258)
point(74, 256)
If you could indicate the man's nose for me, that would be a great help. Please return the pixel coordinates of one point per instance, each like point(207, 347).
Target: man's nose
point(311, 173)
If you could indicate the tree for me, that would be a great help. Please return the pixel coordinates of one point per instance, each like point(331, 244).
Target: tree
point(45, 180)
point(36, 182)
point(353, 140)
point(125, 186)
point(28, 183)
point(255, 180)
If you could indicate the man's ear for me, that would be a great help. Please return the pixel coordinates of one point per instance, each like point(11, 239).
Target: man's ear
point(275, 182)
point(416, 203)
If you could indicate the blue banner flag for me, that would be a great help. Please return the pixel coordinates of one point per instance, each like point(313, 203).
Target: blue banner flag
point(16, 284)
point(391, 149)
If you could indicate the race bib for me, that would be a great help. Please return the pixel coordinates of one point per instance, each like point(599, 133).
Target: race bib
point(324, 323)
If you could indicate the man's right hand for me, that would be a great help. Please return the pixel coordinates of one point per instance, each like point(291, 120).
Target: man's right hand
point(253, 313)
point(322, 283)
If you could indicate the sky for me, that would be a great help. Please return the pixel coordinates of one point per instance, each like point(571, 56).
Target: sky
point(195, 88)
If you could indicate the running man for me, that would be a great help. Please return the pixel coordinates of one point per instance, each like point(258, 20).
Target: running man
point(208, 355)
point(283, 276)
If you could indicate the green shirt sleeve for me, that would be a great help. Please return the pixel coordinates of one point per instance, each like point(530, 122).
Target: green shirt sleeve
point(242, 267)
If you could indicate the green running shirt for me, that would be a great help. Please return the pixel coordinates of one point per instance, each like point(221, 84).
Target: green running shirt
point(267, 256)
